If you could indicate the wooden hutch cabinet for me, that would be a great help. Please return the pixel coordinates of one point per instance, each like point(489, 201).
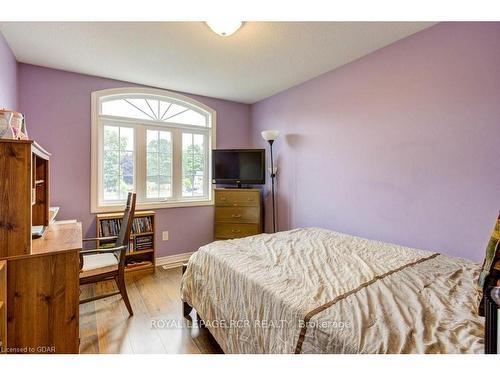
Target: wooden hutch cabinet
point(42, 286)
point(24, 187)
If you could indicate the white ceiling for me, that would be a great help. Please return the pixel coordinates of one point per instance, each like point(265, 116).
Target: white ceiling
point(259, 60)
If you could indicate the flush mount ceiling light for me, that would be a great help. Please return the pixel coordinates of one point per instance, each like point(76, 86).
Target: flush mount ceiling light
point(224, 27)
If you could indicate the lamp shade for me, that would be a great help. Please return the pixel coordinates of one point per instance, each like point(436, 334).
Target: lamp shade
point(224, 27)
point(270, 135)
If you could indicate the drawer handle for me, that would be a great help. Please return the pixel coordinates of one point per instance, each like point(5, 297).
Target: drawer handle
point(236, 216)
point(250, 198)
point(236, 230)
point(222, 198)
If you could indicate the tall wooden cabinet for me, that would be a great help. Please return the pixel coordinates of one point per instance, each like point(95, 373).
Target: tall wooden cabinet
point(24, 194)
point(238, 213)
point(42, 285)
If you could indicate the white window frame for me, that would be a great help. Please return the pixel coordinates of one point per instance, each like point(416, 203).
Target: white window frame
point(97, 127)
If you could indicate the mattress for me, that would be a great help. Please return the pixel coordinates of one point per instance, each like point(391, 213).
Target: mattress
point(312, 290)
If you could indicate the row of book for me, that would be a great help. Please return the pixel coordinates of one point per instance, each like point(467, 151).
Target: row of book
point(111, 227)
point(142, 224)
point(143, 243)
point(138, 243)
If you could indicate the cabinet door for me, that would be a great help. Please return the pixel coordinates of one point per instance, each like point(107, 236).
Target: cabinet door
point(15, 198)
point(43, 303)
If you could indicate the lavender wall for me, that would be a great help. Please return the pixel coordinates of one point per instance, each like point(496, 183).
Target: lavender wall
point(402, 145)
point(8, 76)
point(57, 109)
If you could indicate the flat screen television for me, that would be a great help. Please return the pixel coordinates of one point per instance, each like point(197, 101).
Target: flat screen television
point(239, 166)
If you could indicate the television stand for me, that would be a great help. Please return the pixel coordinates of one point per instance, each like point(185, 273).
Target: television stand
point(238, 186)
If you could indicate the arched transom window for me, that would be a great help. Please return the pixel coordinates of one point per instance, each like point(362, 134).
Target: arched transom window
point(154, 142)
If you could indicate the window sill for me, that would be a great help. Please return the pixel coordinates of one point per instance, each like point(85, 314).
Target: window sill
point(151, 206)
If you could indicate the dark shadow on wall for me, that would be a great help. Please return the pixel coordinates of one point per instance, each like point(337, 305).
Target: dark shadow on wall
point(285, 186)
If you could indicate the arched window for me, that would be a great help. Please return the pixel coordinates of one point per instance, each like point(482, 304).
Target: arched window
point(151, 141)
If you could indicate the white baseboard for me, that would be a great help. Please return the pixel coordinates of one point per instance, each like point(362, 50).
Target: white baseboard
point(172, 261)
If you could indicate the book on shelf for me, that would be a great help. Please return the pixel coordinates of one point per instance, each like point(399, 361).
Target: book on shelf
point(136, 244)
point(143, 242)
point(142, 224)
point(111, 227)
point(107, 245)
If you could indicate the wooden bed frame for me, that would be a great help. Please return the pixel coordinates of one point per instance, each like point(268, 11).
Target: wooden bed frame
point(186, 308)
point(491, 311)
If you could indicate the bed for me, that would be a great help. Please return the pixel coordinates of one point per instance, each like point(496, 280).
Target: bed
point(313, 290)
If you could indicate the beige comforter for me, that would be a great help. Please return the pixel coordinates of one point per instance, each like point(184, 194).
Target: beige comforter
point(317, 291)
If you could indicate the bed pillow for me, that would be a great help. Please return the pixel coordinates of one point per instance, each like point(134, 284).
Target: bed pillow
point(490, 271)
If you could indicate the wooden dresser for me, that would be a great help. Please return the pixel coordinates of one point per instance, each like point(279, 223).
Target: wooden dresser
point(39, 283)
point(238, 213)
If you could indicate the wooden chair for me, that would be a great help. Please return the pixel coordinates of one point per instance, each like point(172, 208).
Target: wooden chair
point(105, 264)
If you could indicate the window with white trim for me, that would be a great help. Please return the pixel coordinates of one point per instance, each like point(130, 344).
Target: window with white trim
point(153, 142)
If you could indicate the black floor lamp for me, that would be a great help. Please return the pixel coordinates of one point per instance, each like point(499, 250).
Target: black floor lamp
point(270, 136)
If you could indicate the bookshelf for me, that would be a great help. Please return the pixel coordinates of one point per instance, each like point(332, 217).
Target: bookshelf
point(141, 255)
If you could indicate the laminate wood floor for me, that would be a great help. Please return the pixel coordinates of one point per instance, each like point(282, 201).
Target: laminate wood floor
point(105, 326)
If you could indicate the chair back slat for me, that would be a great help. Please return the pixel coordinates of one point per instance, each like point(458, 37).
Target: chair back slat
point(123, 237)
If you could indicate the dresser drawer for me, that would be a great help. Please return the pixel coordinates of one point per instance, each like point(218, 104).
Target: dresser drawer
point(226, 230)
point(237, 214)
point(240, 198)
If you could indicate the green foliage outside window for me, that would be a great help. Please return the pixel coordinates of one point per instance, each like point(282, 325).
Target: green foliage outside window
point(193, 163)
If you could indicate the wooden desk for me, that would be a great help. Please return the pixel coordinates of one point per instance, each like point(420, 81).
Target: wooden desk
point(43, 293)
point(58, 238)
